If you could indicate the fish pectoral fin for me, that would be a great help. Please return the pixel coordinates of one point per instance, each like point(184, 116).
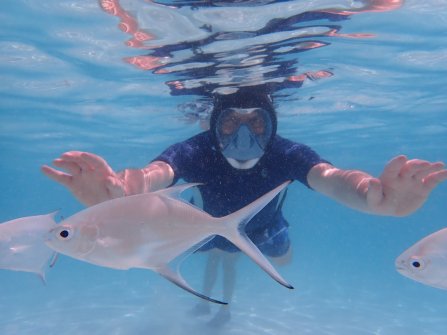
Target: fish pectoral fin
point(176, 278)
point(54, 259)
point(42, 278)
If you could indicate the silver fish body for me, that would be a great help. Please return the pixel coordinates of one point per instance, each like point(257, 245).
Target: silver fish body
point(152, 230)
point(426, 260)
point(22, 244)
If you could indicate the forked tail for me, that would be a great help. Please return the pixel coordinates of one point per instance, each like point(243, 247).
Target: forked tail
point(235, 232)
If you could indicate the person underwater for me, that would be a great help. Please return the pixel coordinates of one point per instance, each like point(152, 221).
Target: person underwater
point(240, 158)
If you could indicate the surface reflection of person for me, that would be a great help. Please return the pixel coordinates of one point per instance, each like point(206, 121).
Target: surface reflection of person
point(239, 159)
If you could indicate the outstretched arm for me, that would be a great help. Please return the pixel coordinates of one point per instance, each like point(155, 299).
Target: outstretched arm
point(401, 189)
point(92, 180)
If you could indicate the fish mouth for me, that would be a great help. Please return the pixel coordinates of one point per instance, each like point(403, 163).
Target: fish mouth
point(400, 266)
point(401, 269)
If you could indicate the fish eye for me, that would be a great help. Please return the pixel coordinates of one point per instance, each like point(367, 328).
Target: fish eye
point(64, 233)
point(417, 263)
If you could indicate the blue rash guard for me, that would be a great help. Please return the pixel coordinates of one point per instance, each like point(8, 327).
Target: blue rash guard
point(226, 189)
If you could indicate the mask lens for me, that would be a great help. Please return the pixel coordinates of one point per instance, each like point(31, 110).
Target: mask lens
point(256, 119)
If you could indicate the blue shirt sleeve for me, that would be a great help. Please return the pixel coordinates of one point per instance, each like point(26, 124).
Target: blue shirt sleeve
point(295, 160)
point(186, 158)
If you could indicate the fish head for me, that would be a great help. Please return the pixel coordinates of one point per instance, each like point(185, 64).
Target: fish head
point(413, 265)
point(425, 262)
point(76, 241)
point(22, 245)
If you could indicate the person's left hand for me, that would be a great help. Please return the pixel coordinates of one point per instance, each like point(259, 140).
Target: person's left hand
point(403, 186)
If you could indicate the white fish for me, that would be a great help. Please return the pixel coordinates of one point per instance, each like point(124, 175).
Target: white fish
point(22, 244)
point(426, 261)
point(151, 230)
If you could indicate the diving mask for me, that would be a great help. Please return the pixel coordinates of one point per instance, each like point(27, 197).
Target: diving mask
point(243, 135)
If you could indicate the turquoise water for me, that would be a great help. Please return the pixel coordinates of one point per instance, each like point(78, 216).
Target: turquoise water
point(66, 86)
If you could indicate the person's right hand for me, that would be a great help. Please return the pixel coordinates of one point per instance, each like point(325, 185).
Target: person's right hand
point(88, 177)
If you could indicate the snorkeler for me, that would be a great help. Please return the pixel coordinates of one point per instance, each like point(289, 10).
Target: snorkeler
point(239, 159)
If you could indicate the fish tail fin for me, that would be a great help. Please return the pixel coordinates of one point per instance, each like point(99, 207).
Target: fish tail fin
point(235, 224)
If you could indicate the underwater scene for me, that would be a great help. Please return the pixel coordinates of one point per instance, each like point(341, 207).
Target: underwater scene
point(114, 83)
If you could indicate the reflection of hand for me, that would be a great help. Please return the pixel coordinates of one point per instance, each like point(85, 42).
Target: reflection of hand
point(89, 177)
point(404, 186)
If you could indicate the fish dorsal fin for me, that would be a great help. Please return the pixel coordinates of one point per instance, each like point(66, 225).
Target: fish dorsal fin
point(175, 191)
point(53, 214)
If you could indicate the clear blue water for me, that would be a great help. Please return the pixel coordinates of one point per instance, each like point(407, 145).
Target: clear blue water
point(65, 87)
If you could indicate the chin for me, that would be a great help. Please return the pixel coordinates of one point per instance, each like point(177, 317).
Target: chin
point(242, 165)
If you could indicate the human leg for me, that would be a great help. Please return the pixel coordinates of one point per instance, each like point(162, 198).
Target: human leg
point(229, 260)
point(209, 280)
point(283, 259)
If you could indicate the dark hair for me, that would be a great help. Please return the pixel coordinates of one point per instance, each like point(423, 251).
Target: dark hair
point(244, 98)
